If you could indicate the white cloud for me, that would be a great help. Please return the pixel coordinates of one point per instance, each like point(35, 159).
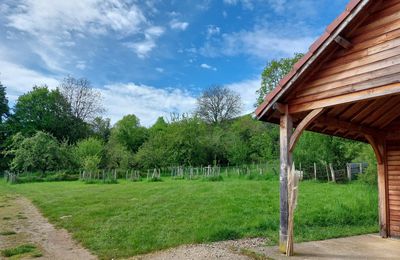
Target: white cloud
point(248, 4)
point(53, 27)
point(208, 67)
point(19, 80)
point(212, 30)
point(144, 47)
point(81, 65)
point(247, 90)
point(260, 42)
point(146, 102)
point(39, 16)
point(161, 70)
point(178, 25)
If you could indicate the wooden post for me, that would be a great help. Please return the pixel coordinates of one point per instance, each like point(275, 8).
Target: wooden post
point(315, 171)
point(348, 167)
point(327, 171)
point(332, 172)
point(286, 130)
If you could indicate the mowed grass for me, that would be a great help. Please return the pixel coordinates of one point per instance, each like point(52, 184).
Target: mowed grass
point(130, 218)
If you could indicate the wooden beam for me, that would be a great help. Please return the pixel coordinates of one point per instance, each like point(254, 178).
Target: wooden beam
point(303, 125)
point(343, 42)
point(366, 94)
point(286, 128)
point(348, 126)
point(281, 108)
point(378, 149)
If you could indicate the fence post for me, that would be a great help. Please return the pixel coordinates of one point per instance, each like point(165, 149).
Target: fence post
point(361, 168)
point(315, 171)
point(332, 172)
point(348, 168)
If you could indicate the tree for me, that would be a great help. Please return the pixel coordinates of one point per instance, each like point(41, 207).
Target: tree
point(39, 152)
point(181, 143)
point(4, 110)
point(4, 113)
point(117, 156)
point(46, 110)
point(89, 147)
point(273, 73)
point(85, 101)
point(101, 128)
point(218, 104)
point(129, 133)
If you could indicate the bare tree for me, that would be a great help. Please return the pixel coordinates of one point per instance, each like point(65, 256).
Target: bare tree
point(86, 102)
point(218, 104)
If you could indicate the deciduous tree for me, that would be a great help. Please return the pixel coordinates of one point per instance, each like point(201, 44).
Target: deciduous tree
point(46, 110)
point(273, 73)
point(85, 101)
point(218, 104)
point(129, 133)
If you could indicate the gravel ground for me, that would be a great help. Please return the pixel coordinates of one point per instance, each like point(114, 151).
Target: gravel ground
point(241, 249)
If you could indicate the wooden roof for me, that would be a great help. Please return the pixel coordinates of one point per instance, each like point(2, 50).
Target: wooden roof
point(352, 71)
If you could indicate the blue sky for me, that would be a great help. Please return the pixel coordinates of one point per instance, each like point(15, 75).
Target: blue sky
point(154, 57)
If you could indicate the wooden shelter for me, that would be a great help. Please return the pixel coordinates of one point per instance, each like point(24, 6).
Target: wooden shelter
point(347, 85)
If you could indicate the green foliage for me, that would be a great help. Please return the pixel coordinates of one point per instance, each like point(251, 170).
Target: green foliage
point(249, 140)
point(129, 133)
point(4, 109)
point(196, 211)
point(89, 147)
point(323, 149)
point(273, 73)
point(46, 110)
point(39, 152)
point(117, 156)
point(182, 143)
point(159, 126)
point(101, 128)
point(371, 175)
point(91, 163)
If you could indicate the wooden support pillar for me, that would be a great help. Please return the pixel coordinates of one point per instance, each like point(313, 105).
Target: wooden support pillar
point(379, 147)
point(286, 129)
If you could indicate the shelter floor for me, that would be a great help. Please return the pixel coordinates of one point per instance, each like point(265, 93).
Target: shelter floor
point(357, 247)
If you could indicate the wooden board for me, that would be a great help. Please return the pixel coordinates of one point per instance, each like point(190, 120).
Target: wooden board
point(393, 188)
point(371, 67)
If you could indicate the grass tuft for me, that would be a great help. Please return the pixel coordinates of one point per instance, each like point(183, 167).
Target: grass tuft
point(19, 250)
point(7, 233)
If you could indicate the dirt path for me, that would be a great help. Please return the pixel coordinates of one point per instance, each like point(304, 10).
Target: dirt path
point(19, 216)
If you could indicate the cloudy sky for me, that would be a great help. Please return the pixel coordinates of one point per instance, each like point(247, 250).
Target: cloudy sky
point(153, 57)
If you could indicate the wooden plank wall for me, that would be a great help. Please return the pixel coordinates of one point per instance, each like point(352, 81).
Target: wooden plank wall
point(393, 181)
point(373, 60)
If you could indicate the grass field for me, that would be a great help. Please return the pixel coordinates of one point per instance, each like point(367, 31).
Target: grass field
point(129, 218)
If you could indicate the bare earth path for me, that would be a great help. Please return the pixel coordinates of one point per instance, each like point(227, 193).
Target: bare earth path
point(17, 214)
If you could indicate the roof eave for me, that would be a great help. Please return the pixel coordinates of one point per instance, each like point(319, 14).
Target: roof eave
point(353, 9)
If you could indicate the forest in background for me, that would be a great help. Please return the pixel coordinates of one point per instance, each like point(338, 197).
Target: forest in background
point(63, 129)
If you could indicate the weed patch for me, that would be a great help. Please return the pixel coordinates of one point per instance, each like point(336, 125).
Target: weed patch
point(19, 250)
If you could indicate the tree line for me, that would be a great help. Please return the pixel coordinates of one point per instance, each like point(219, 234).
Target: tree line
point(63, 129)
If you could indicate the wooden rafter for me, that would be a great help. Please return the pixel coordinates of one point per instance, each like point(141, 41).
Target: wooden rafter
point(348, 126)
point(343, 42)
point(367, 94)
point(303, 125)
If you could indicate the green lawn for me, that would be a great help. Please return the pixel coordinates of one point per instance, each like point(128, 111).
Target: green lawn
point(125, 219)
